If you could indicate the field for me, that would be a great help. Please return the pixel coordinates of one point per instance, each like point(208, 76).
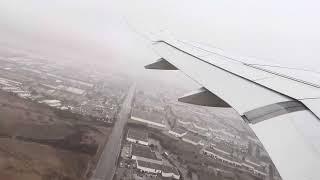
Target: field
point(37, 142)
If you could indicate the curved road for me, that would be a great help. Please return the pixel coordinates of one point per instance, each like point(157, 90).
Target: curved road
point(106, 166)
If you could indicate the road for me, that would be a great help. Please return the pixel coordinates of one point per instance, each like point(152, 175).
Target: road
point(106, 166)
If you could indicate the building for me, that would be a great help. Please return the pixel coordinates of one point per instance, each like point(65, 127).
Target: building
point(153, 119)
point(224, 149)
point(200, 126)
point(170, 172)
point(222, 155)
point(75, 90)
point(253, 165)
point(52, 103)
point(198, 131)
point(144, 153)
point(125, 152)
point(248, 166)
point(136, 136)
point(177, 132)
point(8, 82)
point(252, 161)
point(195, 140)
point(259, 171)
point(184, 122)
point(165, 171)
point(148, 167)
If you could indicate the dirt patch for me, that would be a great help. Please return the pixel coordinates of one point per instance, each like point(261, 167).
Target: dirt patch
point(36, 143)
point(22, 160)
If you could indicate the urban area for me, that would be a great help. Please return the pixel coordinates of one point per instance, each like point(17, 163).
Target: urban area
point(98, 126)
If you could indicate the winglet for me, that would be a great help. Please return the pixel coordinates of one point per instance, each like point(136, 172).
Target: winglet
point(203, 97)
point(161, 64)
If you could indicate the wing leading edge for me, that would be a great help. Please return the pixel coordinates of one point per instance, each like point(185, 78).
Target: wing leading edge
point(283, 113)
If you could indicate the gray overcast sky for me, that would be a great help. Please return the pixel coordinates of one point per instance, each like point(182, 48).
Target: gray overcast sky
point(282, 31)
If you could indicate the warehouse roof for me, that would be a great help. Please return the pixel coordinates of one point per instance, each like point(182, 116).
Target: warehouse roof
point(149, 165)
point(178, 130)
point(169, 169)
point(143, 151)
point(137, 135)
point(223, 155)
point(153, 116)
point(192, 138)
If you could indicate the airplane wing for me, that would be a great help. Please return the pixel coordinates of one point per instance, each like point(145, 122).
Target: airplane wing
point(281, 105)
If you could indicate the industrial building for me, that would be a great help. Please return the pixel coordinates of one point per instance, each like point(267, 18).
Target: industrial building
point(189, 138)
point(200, 126)
point(225, 156)
point(254, 166)
point(177, 132)
point(52, 103)
point(221, 148)
point(153, 119)
point(170, 172)
point(137, 136)
point(144, 153)
point(165, 171)
point(221, 155)
point(184, 122)
point(148, 167)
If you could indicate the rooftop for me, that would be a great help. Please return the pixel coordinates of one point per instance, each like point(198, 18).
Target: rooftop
point(137, 135)
point(74, 90)
point(252, 162)
point(143, 151)
point(222, 147)
point(193, 138)
point(197, 131)
point(200, 124)
point(228, 157)
point(156, 117)
point(178, 130)
point(185, 121)
point(169, 169)
point(149, 165)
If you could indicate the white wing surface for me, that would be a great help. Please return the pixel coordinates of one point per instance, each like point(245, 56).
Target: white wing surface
point(281, 105)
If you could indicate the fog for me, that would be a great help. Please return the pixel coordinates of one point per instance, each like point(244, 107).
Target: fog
point(113, 34)
point(110, 33)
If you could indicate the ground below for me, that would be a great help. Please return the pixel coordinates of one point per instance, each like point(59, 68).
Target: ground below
point(40, 143)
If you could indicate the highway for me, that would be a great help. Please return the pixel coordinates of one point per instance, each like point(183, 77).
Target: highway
point(106, 166)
